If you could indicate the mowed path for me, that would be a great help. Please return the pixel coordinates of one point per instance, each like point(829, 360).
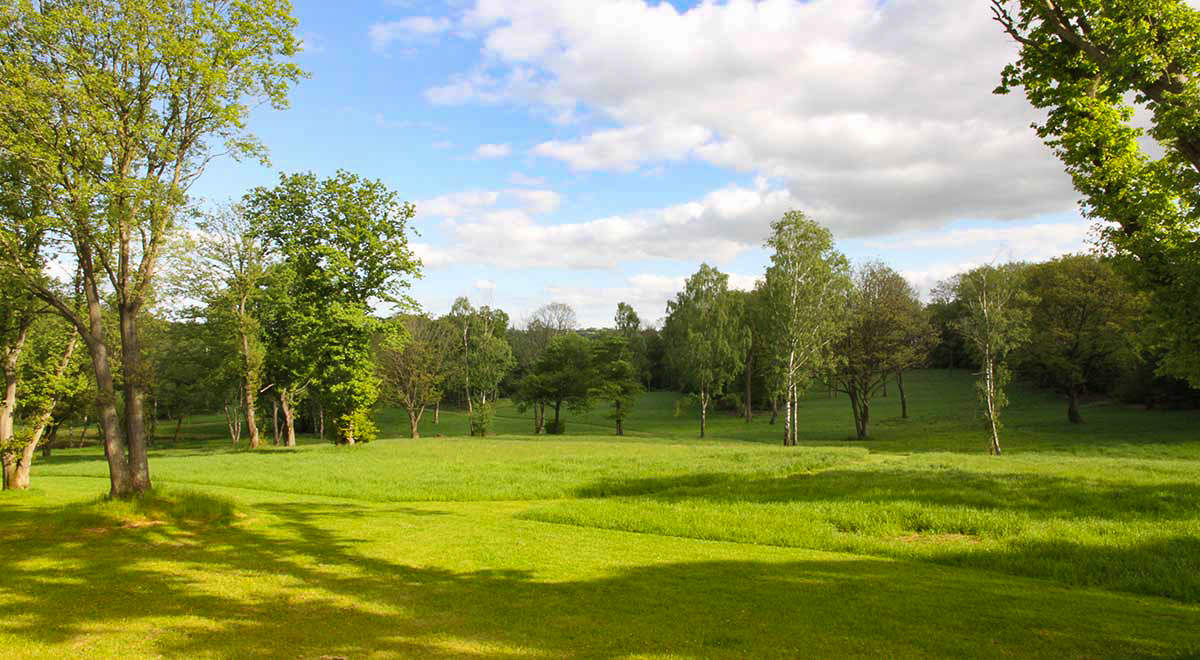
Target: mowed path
point(311, 576)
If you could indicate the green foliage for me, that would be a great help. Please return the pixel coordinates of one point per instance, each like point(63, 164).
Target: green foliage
point(344, 244)
point(705, 340)
point(1088, 63)
point(481, 419)
point(995, 323)
point(482, 356)
point(616, 379)
point(886, 331)
point(1084, 325)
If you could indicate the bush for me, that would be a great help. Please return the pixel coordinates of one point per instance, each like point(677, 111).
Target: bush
point(556, 428)
point(481, 419)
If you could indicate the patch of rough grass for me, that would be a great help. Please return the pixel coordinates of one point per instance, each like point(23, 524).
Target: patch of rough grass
point(183, 508)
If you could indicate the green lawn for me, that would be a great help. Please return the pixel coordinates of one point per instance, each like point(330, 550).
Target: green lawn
point(1079, 542)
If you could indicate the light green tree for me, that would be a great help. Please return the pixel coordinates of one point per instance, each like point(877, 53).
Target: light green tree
point(995, 323)
point(804, 295)
point(705, 339)
point(112, 109)
point(412, 370)
point(1088, 64)
point(344, 240)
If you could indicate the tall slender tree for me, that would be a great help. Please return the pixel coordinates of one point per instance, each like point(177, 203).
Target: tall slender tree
point(995, 324)
point(112, 108)
point(805, 295)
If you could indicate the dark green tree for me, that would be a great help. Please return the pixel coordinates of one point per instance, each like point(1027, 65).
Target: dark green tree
point(616, 379)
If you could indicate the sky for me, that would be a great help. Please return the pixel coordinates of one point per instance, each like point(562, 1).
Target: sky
point(597, 151)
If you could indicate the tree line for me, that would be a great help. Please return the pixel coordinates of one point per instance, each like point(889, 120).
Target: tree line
point(111, 109)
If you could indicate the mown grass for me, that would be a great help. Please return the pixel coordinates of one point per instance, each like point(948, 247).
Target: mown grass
point(1079, 542)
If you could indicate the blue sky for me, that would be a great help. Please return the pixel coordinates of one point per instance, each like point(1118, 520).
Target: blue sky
point(597, 151)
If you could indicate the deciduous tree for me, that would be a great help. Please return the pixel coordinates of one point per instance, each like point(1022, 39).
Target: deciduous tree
point(112, 108)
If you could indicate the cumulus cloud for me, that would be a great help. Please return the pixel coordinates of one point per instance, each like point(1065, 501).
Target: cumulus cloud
point(647, 293)
point(878, 117)
point(384, 34)
point(493, 150)
point(500, 229)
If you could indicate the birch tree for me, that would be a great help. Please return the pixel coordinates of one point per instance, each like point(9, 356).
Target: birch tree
point(113, 108)
point(804, 296)
point(995, 324)
point(226, 265)
point(705, 340)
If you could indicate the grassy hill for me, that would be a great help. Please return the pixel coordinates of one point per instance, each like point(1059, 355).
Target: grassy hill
point(1082, 541)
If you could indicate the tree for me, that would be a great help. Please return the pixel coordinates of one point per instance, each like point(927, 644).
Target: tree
point(629, 326)
point(50, 374)
point(705, 341)
point(226, 266)
point(412, 370)
point(616, 379)
point(562, 375)
point(995, 324)
point(345, 241)
point(805, 293)
point(1088, 63)
point(112, 108)
point(1083, 320)
point(482, 356)
point(885, 332)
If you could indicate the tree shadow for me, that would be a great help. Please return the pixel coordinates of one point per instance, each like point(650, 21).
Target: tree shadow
point(294, 586)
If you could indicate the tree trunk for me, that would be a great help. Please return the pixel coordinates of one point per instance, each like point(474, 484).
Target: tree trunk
point(437, 412)
point(135, 413)
point(619, 418)
point(774, 409)
point(234, 421)
point(275, 421)
point(82, 431)
point(321, 421)
point(990, 395)
point(1073, 406)
point(178, 428)
point(903, 397)
point(289, 418)
point(9, 405)
point(414, 422)
point(557, 406)
point(703, 412)
point(248, 391)
point(749, 392)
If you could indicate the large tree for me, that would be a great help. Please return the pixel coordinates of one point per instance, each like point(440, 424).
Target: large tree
point(995, 323)
point(344, 240)
point(412, 364)
point(1084, 321)
point(704, 337)
point(805, 298)
point(112, 108)
point(1089, 64)
point(885, 332)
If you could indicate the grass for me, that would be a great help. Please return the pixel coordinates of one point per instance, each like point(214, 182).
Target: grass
point(1080, 542)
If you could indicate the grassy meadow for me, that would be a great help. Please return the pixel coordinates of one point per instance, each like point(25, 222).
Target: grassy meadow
point(1080, 542)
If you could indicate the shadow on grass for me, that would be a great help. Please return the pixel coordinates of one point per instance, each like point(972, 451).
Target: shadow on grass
point(972, 519)
point(296, 587)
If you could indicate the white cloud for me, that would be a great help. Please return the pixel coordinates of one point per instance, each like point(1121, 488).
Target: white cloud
point(879, 117)
point(386, 33)
point(717, 228)
point(485, 285)
point(647, 293)
point(493, 151)
point(521, 179)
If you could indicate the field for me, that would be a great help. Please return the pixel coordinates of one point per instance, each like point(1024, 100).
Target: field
point(1081, 541)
